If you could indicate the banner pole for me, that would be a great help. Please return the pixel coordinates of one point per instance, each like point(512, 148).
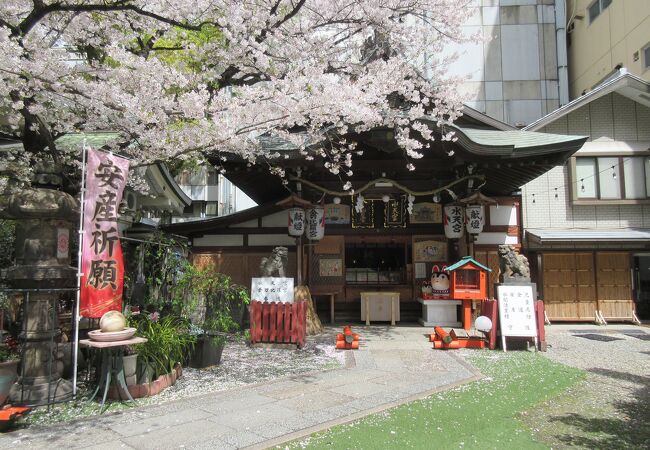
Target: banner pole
point(77, 318)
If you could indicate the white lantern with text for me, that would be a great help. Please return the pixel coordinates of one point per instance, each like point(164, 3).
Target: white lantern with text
point(454, 219)
point(296, 221)
point(474, 219)
point(315, 223)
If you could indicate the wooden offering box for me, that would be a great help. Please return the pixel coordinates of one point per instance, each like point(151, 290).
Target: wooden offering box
point(468, 280)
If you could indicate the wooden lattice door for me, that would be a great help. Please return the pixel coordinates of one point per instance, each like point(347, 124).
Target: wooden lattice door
point(614, 283)
point(569, 286)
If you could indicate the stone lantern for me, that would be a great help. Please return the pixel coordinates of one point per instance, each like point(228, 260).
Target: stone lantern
point(45, 219)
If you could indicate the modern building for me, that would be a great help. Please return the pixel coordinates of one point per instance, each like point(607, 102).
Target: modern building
point(587, 223)
point(212, 194)
point(604, 36)
point(519, 73)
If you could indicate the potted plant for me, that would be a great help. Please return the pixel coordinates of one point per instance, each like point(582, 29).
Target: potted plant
point(168, 343)
point(213, 304)
point(208, 348)
point(9, 359)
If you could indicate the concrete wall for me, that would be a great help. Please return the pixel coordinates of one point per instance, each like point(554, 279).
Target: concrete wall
point(621, 30)
point(616, 125)
point(513, 75)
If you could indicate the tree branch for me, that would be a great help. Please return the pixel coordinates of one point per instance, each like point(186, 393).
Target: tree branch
point(40, 11)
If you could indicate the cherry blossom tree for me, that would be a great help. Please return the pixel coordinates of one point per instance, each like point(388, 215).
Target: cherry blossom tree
point(196, 79)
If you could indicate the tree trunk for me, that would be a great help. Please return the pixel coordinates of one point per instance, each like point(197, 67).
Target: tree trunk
point(302, 294)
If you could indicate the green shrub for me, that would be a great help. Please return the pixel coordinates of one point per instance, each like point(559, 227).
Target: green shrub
point(168, 342)
point(215, 295)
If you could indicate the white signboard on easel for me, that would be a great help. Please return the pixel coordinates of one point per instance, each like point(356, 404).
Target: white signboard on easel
point(272, 289)
point(516, 312)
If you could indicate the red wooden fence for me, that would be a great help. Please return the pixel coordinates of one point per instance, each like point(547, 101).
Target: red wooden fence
point(278, 322)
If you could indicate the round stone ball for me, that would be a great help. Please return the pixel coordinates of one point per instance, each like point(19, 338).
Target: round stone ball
point(112, 321)
point(483, 324)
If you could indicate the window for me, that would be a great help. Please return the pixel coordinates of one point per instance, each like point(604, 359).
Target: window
point(612, 178)
point(211, 208)
point(646, 57)
point(597, 7)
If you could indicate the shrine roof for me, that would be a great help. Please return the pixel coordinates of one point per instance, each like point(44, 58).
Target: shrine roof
point(512, 143)
point(466, 260)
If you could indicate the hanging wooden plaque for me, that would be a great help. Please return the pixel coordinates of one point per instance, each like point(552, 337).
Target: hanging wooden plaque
point(394, 216)
point(365, 218)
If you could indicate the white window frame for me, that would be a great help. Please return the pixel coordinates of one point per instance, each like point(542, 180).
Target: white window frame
point(645, 57)
point(601, 8)
point(576, 183)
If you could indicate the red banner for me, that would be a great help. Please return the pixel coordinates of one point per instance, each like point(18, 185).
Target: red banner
point(102, 264)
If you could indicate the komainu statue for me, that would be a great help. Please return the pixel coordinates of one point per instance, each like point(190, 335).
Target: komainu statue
point(274, 265)
point(512, 266)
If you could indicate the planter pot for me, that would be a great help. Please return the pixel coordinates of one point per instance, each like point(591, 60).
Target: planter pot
point(205, 353)
point(130, 363)
point(147, 389)
point(145, 374)
point(8, 374)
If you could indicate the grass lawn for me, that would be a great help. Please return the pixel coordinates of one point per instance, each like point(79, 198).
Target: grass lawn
point(479, 415)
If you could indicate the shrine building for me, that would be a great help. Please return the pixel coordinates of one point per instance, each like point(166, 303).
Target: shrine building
point(397, 226)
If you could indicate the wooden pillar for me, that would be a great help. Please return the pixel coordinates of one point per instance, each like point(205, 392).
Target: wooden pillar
point(299, 260)
point(467, 314)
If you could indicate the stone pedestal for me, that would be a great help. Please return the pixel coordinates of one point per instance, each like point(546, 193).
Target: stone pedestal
point(443, 313)
point(45, 219)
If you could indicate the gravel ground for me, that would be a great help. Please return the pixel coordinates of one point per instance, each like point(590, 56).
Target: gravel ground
point(610, 409)
point(240, 365)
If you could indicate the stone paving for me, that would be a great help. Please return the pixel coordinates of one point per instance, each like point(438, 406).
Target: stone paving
point(394, 365)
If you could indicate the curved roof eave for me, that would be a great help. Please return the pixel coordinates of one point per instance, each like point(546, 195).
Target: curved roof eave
point(512, 143)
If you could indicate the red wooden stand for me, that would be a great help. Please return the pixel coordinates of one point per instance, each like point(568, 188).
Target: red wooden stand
point(347, 340)
point(9, 414)
point(448, 340)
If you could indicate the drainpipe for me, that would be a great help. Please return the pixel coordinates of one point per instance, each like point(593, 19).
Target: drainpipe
point(562, 60)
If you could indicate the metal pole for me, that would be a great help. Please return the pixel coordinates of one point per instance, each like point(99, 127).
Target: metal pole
point(24, 346)
point(75, 346)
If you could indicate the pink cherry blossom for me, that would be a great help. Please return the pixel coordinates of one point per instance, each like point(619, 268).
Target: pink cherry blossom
point(204, 79)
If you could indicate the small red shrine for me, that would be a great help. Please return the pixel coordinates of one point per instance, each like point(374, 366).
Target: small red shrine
point(468, 281)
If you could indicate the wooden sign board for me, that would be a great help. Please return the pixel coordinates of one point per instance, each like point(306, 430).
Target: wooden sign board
point(331, 267)
point(426, 212)
point(394, 216)
point(430, 251)
point(337, 214)
point(365, 218)
point(272, 289)
point(516, 312)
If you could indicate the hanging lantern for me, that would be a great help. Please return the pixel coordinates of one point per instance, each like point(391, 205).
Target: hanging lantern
point(474, 218)
point(454, 219)
point(296, 221)
point(315, 223)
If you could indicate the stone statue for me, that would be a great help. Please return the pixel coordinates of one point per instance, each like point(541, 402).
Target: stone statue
point(512, 266)
point(274, 264)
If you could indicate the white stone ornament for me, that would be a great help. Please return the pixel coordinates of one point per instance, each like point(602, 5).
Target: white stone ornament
point(112, 321)
point(483, 324)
